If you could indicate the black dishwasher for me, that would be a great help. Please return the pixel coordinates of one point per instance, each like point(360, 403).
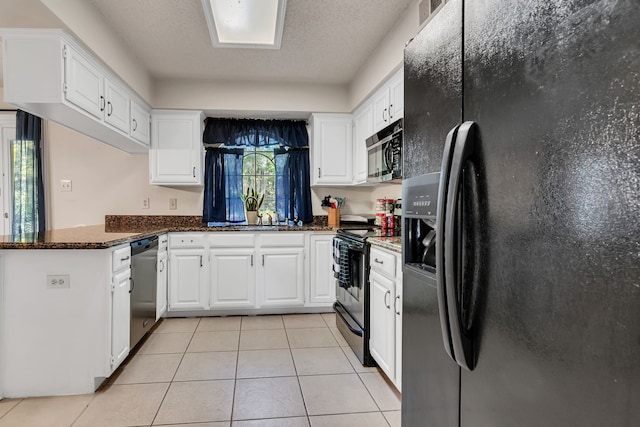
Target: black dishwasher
point(144, 259)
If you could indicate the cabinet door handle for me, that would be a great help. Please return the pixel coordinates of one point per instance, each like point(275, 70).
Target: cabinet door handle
point(194, 171)
point(383, 118)
point(378, 261)
point(135, 125)
point(133, 284)
point(161, 266)
point(251, 260)
point(102, 100)
point(387, 294)
point(390, 114)
point(262, 259)
point(110, 105)
point(200, 260)
point(395, 304)
point(318, 172)
point(125, 258)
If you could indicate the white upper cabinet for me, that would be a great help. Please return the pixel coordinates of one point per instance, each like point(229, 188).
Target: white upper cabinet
point(140, 126)
point(84, 85)
point(388, 102)
point(331, 141)
point(176, 153)
point(49, 74)
point(362, 129)
point(116, 110)
point(396, 96)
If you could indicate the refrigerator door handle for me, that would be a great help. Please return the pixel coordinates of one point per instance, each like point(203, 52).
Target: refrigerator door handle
point(440, 242)
point(462, 344)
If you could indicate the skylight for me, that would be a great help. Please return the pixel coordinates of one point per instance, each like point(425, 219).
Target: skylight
point(253, 24)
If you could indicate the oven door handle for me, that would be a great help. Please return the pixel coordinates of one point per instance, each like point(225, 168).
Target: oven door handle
point(345, 321)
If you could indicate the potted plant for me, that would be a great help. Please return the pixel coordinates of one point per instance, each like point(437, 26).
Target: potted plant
point(252, 201)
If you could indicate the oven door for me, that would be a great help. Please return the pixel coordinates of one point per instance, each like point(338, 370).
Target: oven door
point(351, 295)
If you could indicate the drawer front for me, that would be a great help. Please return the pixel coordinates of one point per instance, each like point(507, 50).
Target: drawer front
point(121, 259)
point(232, 240)
point(187, 240)
point(383, 262)
point(286, 239)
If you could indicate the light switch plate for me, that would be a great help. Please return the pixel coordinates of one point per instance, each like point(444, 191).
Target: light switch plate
point(65, 185)
point(173, 204)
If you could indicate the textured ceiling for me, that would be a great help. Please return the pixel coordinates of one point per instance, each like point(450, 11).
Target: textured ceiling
point(324, 41)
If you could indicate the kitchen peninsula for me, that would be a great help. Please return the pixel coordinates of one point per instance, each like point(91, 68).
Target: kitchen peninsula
point(66, 292)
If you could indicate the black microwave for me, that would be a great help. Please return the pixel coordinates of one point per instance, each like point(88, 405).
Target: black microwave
point(384, 152)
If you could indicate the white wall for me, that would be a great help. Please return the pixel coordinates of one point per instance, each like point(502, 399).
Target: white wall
point(386, 59)
point(3, 105)
point(104, 181)
point(88, 25)
point(250, 99)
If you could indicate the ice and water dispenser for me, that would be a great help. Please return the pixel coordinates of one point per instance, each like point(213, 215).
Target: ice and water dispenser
point(420, 201)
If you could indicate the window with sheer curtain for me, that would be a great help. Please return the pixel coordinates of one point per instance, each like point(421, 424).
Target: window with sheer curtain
point(271, 156)
point(28, 214)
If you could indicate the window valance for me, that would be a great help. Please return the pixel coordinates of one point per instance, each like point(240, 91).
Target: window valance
point(256, 132)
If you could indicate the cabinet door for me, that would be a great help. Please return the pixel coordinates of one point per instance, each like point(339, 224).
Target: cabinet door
point(120, 318)
point(396, 96)
point(322, 284)
point(176, 148)
point(161, 290)
point(188, 288)
point(363, 129)
point(140, 123)
point(281, 273)
point(83, 83)
point(381, 108)
point(332, 149)
point(233, 278)
point(398, 341)
point(117, 108)
point(382, 338)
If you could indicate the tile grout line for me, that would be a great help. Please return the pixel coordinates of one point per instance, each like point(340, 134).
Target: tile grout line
point(175, 373)
point(295, 369)
point(235, 375)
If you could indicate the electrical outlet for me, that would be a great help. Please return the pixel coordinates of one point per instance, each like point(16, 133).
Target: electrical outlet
point(145, 203)
point(65, 185)
point(173, 204)
point(58, 281)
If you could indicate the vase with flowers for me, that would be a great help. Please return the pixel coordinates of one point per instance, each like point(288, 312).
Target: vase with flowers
point(252, 201)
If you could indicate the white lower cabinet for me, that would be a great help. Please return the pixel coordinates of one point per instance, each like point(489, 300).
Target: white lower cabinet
point(322, 284)
point(385, 307)
point(382, 338)
point(120, 306)
point(232, 278)
point(162, 270)
point(188, 284)
point(120, 317)
point(281, 277)
point(226, 271)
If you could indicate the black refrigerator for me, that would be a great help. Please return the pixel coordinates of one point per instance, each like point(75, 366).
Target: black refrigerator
point(540, 188)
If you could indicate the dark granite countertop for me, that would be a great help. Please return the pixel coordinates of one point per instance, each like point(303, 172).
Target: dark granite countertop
point(393, 243)
point(97, 236)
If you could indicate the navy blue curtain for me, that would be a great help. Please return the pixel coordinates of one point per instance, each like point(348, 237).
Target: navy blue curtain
point(222, 185)
point(26, 168)
point(290, 141)
point(293, 184)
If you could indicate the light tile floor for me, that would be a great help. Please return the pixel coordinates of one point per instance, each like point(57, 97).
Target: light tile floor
point(292, 370)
